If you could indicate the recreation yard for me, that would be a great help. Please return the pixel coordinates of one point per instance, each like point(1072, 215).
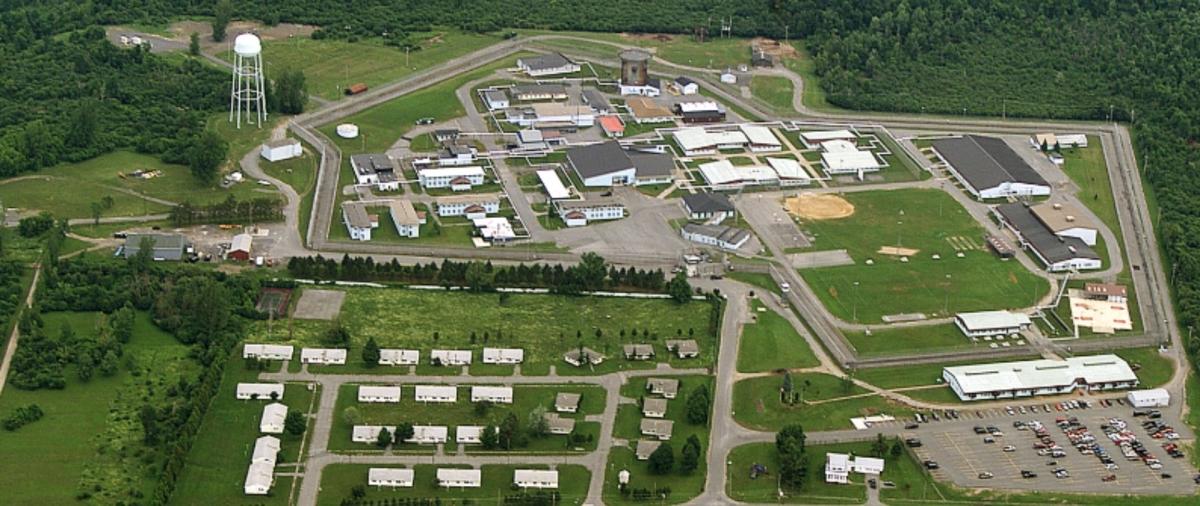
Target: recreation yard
point(932, 223)
point(338, 482)
point(545, 326)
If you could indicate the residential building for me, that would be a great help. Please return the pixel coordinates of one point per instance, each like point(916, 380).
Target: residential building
point(436, 393)
point(1057, 253)
point(468, 434)
point(260, 476)
point(577, 213)
point(665, 387)
point(459, 478)
point(239, 249)
point(559, 425)
point(639, 352)
point(259, 391)
point(991, 323)
point(323, 356)
point(696, 141)
point(544, 115)
point(450, 357)
point(988, 168)
point(266, 450)
point(273, 415)
point(370, 433)
point(547, 65)
point(358, 223)
point(375, 169)
point(399, 357)
point(654, 407)
point(645, 110)
point(495, 99)
point(1066, 220)
point(503, 355)
point(495, 395)
point(471, 206)
point(538, 92)
point(579, 356)
point(1039, 377)
point(686, 85)
point(596, 100)
point(660, 429)
point(370, 393)
point(390, 477)
point(268, 351)
point(567, 402)
point(555, 189)
point(429, 434)
point(727, 238)
point(708, 206)
point(166, 246)
point(613, 126)
point(405, 218)
point(684, 348)
point(789, 171)
point(646, 447)
point(447, 177)
point(535, 478)
point(761, 139)
point(281, 149)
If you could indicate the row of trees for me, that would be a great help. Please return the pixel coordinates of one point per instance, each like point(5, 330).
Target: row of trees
point(22, 416)
point(231, 210)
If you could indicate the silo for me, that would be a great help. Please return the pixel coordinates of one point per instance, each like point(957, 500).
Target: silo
point(634, 71)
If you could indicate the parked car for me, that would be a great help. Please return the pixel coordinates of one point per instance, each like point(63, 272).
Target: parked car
point(910, 426)
point(988, 440)
point(425, 121)
point(1010, 448)
point(1028, 474)
point(985, 475)
point(929, 464)
point(913, 442)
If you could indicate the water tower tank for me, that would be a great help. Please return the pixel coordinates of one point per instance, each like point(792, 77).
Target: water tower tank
point(634, 63)
point(247, 44)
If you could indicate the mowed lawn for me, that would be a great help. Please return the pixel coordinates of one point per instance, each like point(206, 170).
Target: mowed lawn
point(772, 343)
point(545, 326)
point(330, 66)
point(41, 463)
point(496, 483)
point(525, 399)
point(757, 404)
point(765, 489)
point(215, 470)
point(933, 223)
point(774, 91)
point(900, 340)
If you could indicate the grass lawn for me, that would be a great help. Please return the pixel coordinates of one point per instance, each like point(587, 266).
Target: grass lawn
point(814, 490)
point(910, 340)
point(933, 223)
point(774, 91)
point(216, 466)
point(771, 343)
point(525, 397)
point(757, 405)
point(758, 279)
point(803, 64)
point(404, 318)
point(914, 375)
point(338, 480)
point(717, 53)
point(331, 65)
point(1152, 368)
point(38, 465)
point(1087, 169)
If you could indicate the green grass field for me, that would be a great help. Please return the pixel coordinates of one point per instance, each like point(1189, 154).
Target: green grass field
point(301, 175)
point(216, 466)
point(1152, 368)
point(496, 480)
point(404, 318)
point(926, 220)
point(717, 53)
point(771, 343)
point(910, 340)
point(331, 65)
point(757, 279)
point(774, 91)
point(757, 405)
point(765, 489)
point(525, 399)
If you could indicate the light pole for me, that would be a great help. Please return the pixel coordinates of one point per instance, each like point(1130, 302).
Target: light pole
point(855, 303)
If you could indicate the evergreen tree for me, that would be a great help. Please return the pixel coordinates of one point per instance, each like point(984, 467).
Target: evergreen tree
point(689, 456)
point(679, 288)
point(370, 352)
point(291, 92)
point(697, 405)
point(489, 439)
point(194, 44)
point(384, 438)
point(295, 423)
point(662, 460)
point(404, 432)
point(205, 155)
point(222, 13)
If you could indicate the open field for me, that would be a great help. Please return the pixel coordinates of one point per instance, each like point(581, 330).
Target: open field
point(933, 223)
point(774, 91)
point(216, 466)
point(765, 489)
point(546, 326)
point(1152, 368)
point(771, 343)
point(338, 480)
point(330, 66)
point(683, 486)
point(717, 53)
point(910, 340)
point(757, 404)
point(760, 280)
point(525, 400)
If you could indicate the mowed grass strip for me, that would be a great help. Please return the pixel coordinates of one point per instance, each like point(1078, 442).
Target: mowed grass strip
point(772, 343)
point(917, 339)
point(757, 404)
point(496, 482)
point(933, 223)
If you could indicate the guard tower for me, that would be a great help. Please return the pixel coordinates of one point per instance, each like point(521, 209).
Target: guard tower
point(246, 95)
point(634, 67)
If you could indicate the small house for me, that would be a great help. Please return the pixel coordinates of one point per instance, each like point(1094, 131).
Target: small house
point(566, 402)
point(256, 391)
point(459, 478)
point(273, 416)
point(559, 425)
point(369, 393)
point(497, 395)
point(665, 387)
point(503, 355)
point(654, 407)
point(639, 352)
point(399, 357)
point(683, 348)
point(660, 429)
point(428, 434)
point(450, 357)
point(390, 477)
point(281, 149)
point(436, 393)
point(268, 351)
point(531, 478)
point(323, 356)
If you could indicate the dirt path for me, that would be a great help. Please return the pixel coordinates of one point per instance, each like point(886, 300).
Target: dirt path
point(11, 348)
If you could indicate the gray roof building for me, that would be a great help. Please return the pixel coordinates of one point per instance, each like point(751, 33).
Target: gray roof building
point(566, 402)
point(356, 215)
point(526, 91)
point(545, 62)
point(598, 159)
point(596, 100)
point(720, 235)
point(652, 164)
point(645, 447)
point(1051, 248)
point(707, 203)
point(166, 246)
point(986, 162)
point(374, 163)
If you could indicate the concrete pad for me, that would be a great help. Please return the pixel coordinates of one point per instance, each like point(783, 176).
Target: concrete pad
point(319, 304)
point(831, 258)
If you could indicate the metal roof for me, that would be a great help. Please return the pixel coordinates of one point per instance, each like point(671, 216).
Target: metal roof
point(545, 62)
point(986, 162)
point(987, 320)
point(708, 202)
point(1052, 248)
point(599, 159)
point(1042, 373)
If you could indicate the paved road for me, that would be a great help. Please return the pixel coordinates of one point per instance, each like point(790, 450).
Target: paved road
point(289, 239)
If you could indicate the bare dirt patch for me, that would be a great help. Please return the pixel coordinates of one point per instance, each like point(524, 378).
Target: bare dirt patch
point(773, 47)
point(319, 304)
point(182, 31)
point(814, 206)
point(656, 37)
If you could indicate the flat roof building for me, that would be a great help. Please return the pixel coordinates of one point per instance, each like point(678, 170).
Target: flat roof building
point(1066, 220)
point(259, 391)
point(390, 477)
point(536, 92)
point(554, 186)
point(1153, 398)
point(1057, 253)
point(323, 356)
point(375, 169)
point(459, 478)
point(988, 168)
point(991, 323)
point(450, 357)
point(535, 478)
point(547, 65)
point(496, 395)
point(268, 351)
point(1039, 377)
point(436, 393)
point(503, 355)
point(399, 357)
point(369, 393)
point(646, 110)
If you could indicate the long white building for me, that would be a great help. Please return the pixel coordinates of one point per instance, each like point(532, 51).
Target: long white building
point(991, 323)
point(535, 478)
point(324, 356)
point(436, 393)
point(455, 178)
point(399, 357)
point(503, 355)
point(371, 393)
point(498, 395)
point(450, 357)
point(471, 206)
point(273, 416)
point(370, 433)
point(268, 351)
point(459, 478)
point(429, 434)
point(1039, 377)
point(696, 141)
point(260, 391)
point(389, 477)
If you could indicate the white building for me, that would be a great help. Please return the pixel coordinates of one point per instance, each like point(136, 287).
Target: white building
point(991, 323)
point(838, 467)
point(324, 356)
point(469, 434)
point(1066, 219)
point(450, 357)
point(405, 218)
point(273, 415)
point(268, 351)
point(1058, 253)
point(259, 391)
point(841, 156)
point(551, 115)
point(654, 407)
point(761, 138)
point(577, 213)
point(375, 169)
point(358, 222)
point(497, 395)
point(696, 141)
point(446, 177)
point(495, 229)
point(814, 139)
point(789, 172)
point(370, 393)
point(709, 206)
point(459, 478)
point(724, 175)
point(554, 186)
point(429, 434)
point(495, 99)
point(261, 474)
point(988, 168)
point(436, 393)
point(399, 357)
point(728, 238)
point(1153, 398)
point(390, 477)
point(1039, 377)
point(478, 205)
point(370, 433)
point(503, 355)
point(531, 478)
point(547, 65)
point(281, 149)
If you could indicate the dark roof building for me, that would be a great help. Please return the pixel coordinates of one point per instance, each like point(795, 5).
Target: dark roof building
point(989, 168)
point(166, 246)
point(596, 100)
point(547, 64)
point(601, 164)
point(706, 205)
point(652, 165)
point(1057, 253)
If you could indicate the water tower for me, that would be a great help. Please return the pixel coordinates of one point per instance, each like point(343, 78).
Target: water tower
point(634, 71)
point(247, 95)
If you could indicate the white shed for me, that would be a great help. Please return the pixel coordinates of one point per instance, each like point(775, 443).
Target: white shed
point(1153, 398)
point(281, 149)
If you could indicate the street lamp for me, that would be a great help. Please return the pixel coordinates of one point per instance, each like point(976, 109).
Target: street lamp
point(855, 304)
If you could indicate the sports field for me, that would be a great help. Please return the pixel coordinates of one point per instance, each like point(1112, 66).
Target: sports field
point(902, 340)
point(930, 222)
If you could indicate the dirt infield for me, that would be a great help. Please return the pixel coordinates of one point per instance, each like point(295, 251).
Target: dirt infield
point(897, 252)
point(813, 206)
point(319, 305)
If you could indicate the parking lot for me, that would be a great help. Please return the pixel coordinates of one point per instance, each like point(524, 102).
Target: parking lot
point(962, 454)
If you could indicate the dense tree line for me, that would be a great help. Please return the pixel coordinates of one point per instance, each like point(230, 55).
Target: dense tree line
point(230, 210)
point(22, 416)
